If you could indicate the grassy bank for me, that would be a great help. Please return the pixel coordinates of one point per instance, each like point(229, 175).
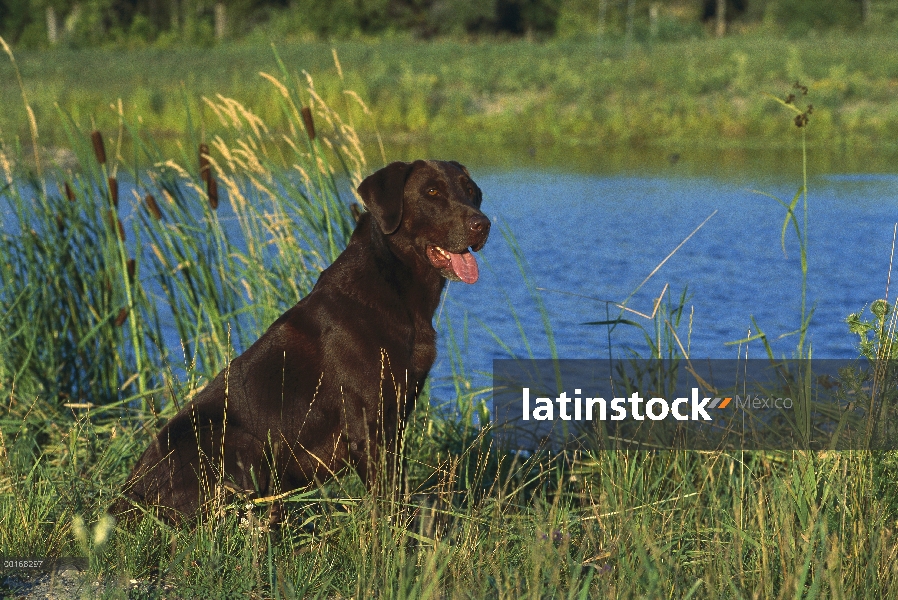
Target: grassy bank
point(550, 98)
point(88, 284)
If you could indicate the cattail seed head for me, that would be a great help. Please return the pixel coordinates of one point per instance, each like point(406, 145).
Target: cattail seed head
point(132, 267)
point(121, 318)
point(212, 191)
point(113, 191)
point(153, 207)
point(309, 123)
point(116, 224)
point(99, 149)
point(69, 193)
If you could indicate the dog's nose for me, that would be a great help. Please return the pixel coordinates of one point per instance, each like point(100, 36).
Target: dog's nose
point(479, 224)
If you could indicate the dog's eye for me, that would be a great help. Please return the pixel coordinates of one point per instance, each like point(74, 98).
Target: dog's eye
point(470, 191)
point(432, 191)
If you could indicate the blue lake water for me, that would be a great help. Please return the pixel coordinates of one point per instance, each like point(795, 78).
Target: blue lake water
point(591, 239)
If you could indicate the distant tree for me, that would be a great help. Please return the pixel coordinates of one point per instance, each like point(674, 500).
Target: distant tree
point(14, 17)
point(722, 12)
point(460, 16)
point(520, 17)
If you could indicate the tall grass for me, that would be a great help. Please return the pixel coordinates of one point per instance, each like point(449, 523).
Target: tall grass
point(85, 373)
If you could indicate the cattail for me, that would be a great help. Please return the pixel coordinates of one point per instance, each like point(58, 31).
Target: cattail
point(205, 169)
point(212, 191)
point(153, 207)
point(132, 267)
point(69, 193)
point(121, 318)
point(207, 176)
point(116, 223)
point(113, 191)
point(99, 149)
point(60, 224)
point(309, 123)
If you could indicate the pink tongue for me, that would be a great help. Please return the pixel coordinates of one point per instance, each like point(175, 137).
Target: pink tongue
point(464, 265)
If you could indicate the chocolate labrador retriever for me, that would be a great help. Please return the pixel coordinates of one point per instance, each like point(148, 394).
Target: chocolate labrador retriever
point(333, 380)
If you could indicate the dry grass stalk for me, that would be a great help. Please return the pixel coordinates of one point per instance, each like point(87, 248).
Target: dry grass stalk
point(282, 89)
point(32, 121)
point(222, 148)
point(99, 148)
point(153, 207)
point(251, 160)
point(7, 167)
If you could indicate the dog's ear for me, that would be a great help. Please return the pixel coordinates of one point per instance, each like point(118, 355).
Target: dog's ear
point(382, 193)
point(463, 168)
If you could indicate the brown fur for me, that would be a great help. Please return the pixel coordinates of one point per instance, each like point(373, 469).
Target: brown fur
point(336, 376)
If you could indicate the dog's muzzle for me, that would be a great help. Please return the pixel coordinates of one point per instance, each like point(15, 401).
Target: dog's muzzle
point(462, 266)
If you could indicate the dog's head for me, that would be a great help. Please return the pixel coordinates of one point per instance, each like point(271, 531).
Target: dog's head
point(429, 212)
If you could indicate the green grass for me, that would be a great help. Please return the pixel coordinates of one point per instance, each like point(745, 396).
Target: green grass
point(83, 389)
point(559, 98)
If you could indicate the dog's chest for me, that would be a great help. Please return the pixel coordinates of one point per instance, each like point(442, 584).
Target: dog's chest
point(424, 350)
